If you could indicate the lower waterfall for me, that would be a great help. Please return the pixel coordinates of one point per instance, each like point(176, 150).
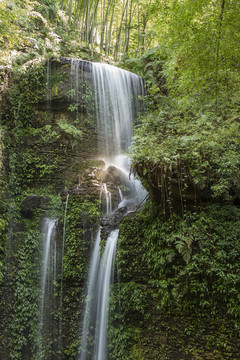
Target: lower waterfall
point(100, 276)
point(91, 295)
point(103, 290)
point(96, 311)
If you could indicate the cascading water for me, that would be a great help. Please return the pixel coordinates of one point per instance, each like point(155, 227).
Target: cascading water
point(117, 98)
point(96, 309)
point(75, 69)
point(90, 311)
point(103, 291)
point(117, 104)
point(50, 227)
point(78, 90)
point(137, 192)
point(64, 231)
point(49, 270)
point(108, 198)
point(120, 194)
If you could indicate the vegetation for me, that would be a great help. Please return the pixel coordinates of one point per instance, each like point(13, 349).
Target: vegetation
point(177, 296)
point(177, 286)
point(41, 29)
point(193, 131)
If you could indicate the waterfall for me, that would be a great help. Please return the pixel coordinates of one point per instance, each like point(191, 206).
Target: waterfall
point(48, 280)
point(116, 97)
point(96, 309)
point(50, 227)
point(108, 198)
point(78, 90)
point(75, 68)
point(64, 229)
point(120, 194)
point(117, 104)
point(103, 291)
point(138, 193)
point(91, 296)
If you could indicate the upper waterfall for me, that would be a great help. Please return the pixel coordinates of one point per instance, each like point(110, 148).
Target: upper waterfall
point(117, 101)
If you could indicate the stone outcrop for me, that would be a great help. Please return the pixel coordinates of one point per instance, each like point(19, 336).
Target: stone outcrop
point(112, 221)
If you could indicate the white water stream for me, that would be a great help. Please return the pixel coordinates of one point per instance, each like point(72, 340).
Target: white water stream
point(50, 226)
point(97, 300)
point(108, 198)
point(117, 104)
point(105, 276)
point(116, 94)
point(48, 280)
point(90, 311)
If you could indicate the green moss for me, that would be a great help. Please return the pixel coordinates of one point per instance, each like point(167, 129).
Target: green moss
point(47, 149)
point(5, 301)
point(82, 219)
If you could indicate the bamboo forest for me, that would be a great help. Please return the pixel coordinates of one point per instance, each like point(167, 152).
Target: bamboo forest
point(119, 180)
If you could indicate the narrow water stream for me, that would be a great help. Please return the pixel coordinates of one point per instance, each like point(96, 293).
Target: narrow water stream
point(48, 282)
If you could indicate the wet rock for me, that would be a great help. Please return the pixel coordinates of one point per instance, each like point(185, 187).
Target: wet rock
point(112, 221)
point(116, 176)
point(32, 202)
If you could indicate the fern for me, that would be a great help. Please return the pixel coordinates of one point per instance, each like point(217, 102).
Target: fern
point(184, 247)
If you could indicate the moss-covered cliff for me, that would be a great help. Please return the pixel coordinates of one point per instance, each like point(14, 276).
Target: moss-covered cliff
point(48, 145)
point(176, 293)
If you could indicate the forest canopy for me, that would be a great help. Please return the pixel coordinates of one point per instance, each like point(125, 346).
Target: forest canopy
point(199, 40)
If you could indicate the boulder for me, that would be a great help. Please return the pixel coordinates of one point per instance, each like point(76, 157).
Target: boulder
point(116, 176)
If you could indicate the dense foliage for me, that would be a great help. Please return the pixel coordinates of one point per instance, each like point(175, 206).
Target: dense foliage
point(37, 148)
point(197, 150)
point(190, 137)
point(176, 294)
point(202, 41)
point(178, 286)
